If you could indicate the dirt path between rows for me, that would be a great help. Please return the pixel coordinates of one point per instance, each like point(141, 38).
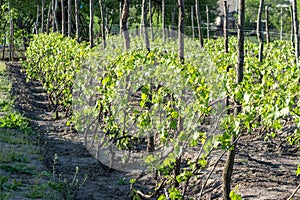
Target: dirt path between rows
point(263, 170)
point(57, 138)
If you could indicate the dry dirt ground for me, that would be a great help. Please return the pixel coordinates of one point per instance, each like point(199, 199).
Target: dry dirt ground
point(263, 170)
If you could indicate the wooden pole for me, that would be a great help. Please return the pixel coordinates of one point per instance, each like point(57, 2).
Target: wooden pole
point(43, 17)
point(62, 17)
point(69, 17)
point(145, 25)
point(150, 20)
point(48, 18)
point(120, 15)
point(259, 31)
point(207, 21)
point(228, 168)
point(192, 21)
point(225, 26)
point(77, 25)
point(53, 15)
point(199, 23)
point(11, 38)
point(91, 33)
point(267, 24)
point(123, 24)
point(281, 23)
point(292, 26)
point(296, 31)
point(37, 19)
point(181, 24)
point(163, 20)
point(102, 23)
point(173, 25)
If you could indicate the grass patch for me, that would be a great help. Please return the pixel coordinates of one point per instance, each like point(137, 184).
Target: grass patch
point(18, 168)
point(6, 187)
point(37, 191)
point(11, 155)
point(2, 68)
point(13, 137)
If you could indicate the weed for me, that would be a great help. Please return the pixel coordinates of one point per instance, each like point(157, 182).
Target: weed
point(13, 136)
point(37, 191)
point(5, 105)
point(67, 188)
point(11, 155)
point(3, 180)
point(234, 194)
point(18, 168)
point(58, 186)
point(12, 186)
point(4, 195)
point(15, 120)
point(122, 181)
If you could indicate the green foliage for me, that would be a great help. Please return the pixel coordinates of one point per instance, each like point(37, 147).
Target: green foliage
point(158, 86)
point(6, 186)
point(234, 196)
point(54, 60)
point(15, 120)
point(121, 94)
point(269, 92)
point(37, 191)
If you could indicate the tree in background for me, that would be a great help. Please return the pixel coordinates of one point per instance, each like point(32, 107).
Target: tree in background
point(252, 7)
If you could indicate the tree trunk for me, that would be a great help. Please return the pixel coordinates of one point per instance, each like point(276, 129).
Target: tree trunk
point(145, 25)
point(62, 17)
point(259, 31)
point(123, 24)
point(69, 17)
point(163, 20)
point(77, 34)
point(267, 24)
point(102, 23)
point(228, 168)
point(91, 33)
point(198, 17)
point(207, 21)
point(225, 27)
point(296, 31)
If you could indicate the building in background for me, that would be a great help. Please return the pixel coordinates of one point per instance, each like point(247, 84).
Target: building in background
point(232, 11)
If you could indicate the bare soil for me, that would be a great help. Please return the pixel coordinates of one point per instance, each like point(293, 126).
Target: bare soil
point(263, 169)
